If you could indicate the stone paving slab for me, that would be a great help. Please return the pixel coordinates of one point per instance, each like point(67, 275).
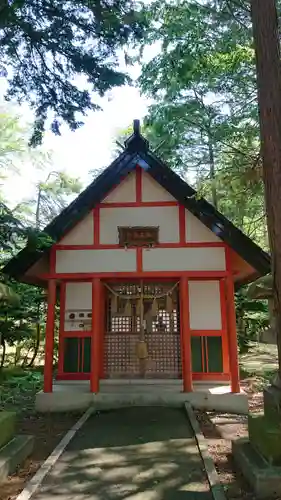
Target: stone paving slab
point(146, 453)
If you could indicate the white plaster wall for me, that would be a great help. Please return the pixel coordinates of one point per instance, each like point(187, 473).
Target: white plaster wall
point(204, 305)
point(184, 259)
point(78, 296)
point(82, 233)
point(78, 299)
point(167, 218)
point(195, 231)
point(126, 191)
point(88, 261)
point(152, 191)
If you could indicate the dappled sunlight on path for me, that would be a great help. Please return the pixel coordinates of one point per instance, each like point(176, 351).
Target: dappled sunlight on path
point(132, 453)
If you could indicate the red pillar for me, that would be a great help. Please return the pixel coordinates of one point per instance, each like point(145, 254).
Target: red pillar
point(49, 341)
point(102, 330)
point(232, 335)
point(185, 336)
point(96, 335)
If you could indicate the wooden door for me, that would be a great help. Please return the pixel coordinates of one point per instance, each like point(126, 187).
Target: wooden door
point(126, 305)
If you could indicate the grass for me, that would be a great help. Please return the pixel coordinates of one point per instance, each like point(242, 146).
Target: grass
point(259, 364)
point(18, 387)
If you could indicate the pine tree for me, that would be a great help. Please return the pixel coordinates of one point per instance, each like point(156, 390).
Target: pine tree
point(46, 46)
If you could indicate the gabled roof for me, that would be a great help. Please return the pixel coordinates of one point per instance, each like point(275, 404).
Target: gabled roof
point(137, 152)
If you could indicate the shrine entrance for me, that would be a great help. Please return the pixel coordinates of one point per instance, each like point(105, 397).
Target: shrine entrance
point(142, 334)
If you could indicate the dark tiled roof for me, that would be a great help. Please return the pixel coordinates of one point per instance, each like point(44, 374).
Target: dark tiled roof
point(137, 152)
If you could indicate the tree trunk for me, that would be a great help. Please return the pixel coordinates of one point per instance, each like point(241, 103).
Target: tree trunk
point(212, 172)
point(3, 344)
point(266, 40)
point(36, 346)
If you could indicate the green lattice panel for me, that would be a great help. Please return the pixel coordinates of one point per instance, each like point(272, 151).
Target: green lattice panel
point(214, 350)
point(71, 350)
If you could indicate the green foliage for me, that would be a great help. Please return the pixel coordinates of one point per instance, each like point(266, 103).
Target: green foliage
point(17, 321)
point(16, 226)
point(56, 53)
point(252, 318)
point(8, 295)
point(12, 231)
point(262, 288)
point(205, 104)
point(54, 195)
point(12, 139)
point(22, 307)
point(205, 108)
point(18, 387)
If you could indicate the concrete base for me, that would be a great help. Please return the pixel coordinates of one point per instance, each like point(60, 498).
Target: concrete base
point(264, 479)
point(14, 453)
point(115, 394)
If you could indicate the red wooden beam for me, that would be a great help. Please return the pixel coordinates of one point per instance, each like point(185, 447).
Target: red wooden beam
point(61, 328)
point(49, 341)
point(102, 328)
point(207, 333)
point(182, 225)
point(96, 334)
point(137, 204)
point(204, 275)
point(185, 335)
point(96, 226)
point(232, 335)
point(231, 324)
point(116, 246)
point(225, 349)
point(73, 376)
point(53, 256)
point(211, 377)
point(76, 333)
point(139, 260)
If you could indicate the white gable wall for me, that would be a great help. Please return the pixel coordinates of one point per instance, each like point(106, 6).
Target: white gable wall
point(152, 191)
point(125, 192)
point(196, 231)
point(95, 261)
point(205, 305)
point(167, 218)
point(157, 259)
point(82, 233)
point(184, 259)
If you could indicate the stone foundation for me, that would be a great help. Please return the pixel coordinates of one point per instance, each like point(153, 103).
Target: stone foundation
point(264, 479)
point(259, 457)
point(7, 426)
point(13, 449)
point(265, 437)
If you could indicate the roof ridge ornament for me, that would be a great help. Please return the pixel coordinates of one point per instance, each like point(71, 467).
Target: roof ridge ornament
point(136, 143)
point(136, 127)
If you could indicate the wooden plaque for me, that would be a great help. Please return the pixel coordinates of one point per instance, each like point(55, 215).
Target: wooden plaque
point(138, 236)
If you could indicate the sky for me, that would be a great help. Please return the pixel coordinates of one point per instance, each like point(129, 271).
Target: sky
point(88, 148)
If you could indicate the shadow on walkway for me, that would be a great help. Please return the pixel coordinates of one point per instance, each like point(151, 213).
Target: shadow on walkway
point(131, 453)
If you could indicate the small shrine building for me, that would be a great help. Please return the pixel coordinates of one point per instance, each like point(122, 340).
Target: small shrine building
point(144, 273)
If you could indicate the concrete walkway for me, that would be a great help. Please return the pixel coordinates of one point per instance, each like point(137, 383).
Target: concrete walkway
point(133, 453)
